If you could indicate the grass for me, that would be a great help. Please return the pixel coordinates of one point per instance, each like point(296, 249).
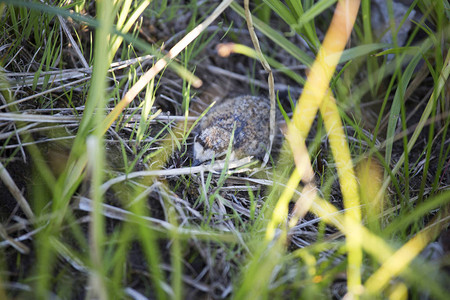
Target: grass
point(98, 196)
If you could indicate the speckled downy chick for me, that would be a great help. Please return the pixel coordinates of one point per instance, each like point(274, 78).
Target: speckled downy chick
point(251, 115)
